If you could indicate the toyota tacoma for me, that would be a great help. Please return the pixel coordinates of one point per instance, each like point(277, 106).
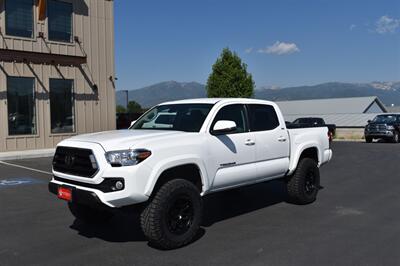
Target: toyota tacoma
point(165, 167)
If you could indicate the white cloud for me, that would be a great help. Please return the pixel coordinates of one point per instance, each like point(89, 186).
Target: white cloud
point(248, 50)
point(386, 24)
point(280, 48)
point(352, 27)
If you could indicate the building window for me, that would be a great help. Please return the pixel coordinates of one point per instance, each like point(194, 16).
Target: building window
point(60, 21)
point(19, 18)
point(62, 106)
point(21, 106)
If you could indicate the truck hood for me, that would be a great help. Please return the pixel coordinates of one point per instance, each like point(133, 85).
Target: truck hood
point(123, 139)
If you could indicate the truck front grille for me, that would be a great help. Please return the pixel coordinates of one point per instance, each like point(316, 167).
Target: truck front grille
point(75, 161)
point(377, 127)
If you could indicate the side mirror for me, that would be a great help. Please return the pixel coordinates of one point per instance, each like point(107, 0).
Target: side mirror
point(369, 121)
point(224, 127)
point(133, 122)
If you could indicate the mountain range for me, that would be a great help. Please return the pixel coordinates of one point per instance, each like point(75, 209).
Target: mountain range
point(388, 92)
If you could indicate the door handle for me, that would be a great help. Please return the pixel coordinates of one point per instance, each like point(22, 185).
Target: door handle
point(282, 139)
point(249, 142)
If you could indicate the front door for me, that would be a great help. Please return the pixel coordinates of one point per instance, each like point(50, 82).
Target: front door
point(231, 156)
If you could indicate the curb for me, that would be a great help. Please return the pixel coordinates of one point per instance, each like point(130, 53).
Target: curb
point(27, 154)
point(348, 140)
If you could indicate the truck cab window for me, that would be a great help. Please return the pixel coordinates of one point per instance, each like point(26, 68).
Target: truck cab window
point(262, 117)
point(235, 113)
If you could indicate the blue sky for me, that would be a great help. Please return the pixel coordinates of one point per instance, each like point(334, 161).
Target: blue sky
point(284, 43)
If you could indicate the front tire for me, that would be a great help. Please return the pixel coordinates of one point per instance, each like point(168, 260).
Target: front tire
point(304, 184)
point(172, 217)
point(396, 137)
point(368, 139)
point(88, 214)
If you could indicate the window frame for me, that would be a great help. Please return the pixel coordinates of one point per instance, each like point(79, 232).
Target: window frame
point(35, 105)
point(74, 132)
point(72, 41)
point(246, 119)
point(261, 104)
point(34, 26)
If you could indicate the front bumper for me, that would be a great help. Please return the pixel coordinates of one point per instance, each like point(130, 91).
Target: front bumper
point(96, 196)
point(379, 134)
point(80, 196)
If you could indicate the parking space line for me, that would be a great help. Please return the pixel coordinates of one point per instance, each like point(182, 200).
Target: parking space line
point(26, 168)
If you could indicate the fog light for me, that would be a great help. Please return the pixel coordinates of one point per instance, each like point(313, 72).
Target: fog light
point(119, 185)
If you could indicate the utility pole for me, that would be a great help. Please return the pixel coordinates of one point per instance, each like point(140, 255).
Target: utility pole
point(127, 98)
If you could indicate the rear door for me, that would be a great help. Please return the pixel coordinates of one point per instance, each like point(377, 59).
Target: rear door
point(272, 141)
point(231, 157)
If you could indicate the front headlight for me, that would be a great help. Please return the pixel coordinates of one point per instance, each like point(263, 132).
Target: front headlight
point(127, 157)
point(390, 127)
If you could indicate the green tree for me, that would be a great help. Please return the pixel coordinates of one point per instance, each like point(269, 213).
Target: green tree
point(134, 107)
point(121, 109)
point(229, 77)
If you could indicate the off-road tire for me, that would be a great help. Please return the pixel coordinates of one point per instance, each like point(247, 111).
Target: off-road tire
point(88, 214)
point(156, 217)
point(368, 140)
point(298, 191)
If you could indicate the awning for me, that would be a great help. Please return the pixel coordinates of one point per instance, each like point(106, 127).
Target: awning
point(7, 55)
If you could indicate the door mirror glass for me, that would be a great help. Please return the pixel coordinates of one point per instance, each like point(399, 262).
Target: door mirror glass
point(224, 127)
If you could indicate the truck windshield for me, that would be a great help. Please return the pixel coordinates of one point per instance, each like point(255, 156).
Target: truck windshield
point(384, 119)
point(180, 117)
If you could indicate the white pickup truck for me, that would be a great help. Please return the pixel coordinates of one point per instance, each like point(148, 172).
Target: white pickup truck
point(205, 146)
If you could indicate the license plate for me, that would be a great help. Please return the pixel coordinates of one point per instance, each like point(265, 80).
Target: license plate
point(65, 193)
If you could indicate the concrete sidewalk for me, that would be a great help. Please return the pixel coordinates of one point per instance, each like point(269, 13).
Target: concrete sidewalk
point(27, 154)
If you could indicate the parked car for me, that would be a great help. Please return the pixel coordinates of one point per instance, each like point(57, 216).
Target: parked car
point(313, 122)
point(210, 145)
point(385, 126)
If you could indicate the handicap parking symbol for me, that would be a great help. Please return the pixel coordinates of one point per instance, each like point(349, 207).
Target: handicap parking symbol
point(13, 182)
point(17, 182)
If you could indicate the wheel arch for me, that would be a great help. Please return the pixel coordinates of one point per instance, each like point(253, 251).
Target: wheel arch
point(309, 150)
point(191, 170)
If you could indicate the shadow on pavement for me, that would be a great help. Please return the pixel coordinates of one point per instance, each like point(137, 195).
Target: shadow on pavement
point(228, 204)
point(125, 227)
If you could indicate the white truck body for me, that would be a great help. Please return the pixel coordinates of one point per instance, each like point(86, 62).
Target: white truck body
point(223, 161)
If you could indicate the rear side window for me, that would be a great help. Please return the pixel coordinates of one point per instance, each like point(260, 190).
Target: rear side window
point(262, 117)
point(235, 113)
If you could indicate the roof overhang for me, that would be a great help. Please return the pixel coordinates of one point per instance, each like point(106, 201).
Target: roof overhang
point(7, 55)
point(379, 103)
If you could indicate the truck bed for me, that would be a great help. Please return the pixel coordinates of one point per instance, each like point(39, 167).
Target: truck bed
point(302, 138)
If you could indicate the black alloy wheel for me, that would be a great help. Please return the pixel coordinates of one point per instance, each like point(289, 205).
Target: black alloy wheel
point(180, 215)
point(310, 183)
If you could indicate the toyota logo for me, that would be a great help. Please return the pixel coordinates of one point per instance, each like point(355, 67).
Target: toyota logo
point(69, 160)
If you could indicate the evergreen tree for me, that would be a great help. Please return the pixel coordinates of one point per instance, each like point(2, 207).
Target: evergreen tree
point(121, 109)
point(134, 107)
point(229, 77)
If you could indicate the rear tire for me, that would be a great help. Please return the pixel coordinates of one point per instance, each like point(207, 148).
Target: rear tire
point(368, 139)
point(304, 184)
point(172, 217)
point(88, 214)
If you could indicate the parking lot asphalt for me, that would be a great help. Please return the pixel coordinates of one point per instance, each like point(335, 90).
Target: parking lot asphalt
point(355, 221)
